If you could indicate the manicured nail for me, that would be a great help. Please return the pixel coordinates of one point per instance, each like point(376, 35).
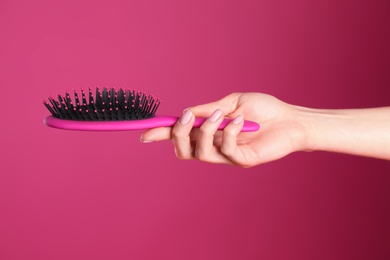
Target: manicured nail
point(216, 115)
point(237, 120)
point(186, 117)
point(145, 141)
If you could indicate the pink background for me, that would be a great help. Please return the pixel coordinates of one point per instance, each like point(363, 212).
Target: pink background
point(87, 195)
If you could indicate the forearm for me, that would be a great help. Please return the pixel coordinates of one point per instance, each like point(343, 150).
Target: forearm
point(364, 132)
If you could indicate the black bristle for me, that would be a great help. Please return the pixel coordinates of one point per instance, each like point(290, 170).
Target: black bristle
point(76, 98)
point(90, 96)
point(108, 104)
point(120, 105)
point(83, 97)
point(49, 107)
point(98, 97)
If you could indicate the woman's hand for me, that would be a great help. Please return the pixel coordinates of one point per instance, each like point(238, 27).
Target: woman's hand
point(279, 135)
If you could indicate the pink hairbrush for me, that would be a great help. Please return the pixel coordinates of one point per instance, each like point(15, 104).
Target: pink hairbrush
point(113, 110)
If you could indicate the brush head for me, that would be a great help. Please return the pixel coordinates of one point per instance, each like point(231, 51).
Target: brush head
point(108, 104)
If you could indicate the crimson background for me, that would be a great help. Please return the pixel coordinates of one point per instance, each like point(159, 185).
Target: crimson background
point(87, 195)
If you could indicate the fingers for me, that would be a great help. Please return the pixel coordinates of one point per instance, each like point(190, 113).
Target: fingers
point(156, 134)
point(165, 133)
point(205, 149)
point(229, 146)
point(210, 146)
point(227, 104)
point(181, 136)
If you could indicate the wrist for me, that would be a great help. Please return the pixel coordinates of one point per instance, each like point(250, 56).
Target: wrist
point(317, 127)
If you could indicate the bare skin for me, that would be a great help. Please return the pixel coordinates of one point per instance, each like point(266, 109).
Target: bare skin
point(284, 129)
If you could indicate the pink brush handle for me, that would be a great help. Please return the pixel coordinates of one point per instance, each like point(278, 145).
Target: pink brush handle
point(156, 121)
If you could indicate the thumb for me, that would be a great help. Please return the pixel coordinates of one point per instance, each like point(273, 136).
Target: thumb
point(227, 104)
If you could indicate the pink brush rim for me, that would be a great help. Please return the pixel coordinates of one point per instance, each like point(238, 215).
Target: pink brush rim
point(156, 121)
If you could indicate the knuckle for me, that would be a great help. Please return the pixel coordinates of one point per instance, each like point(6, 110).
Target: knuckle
point(176, 132)
point(229, 131)
point(203, 129)
point(180, 155)
point(234, 94)
point(201, 156)
point(226, 150)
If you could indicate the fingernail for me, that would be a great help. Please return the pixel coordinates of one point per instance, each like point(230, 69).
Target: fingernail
point(145, 141)
point(237, 120)
point(216, 115)
point(186, 117)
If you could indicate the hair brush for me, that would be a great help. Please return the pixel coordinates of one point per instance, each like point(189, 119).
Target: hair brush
point(111, 109)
